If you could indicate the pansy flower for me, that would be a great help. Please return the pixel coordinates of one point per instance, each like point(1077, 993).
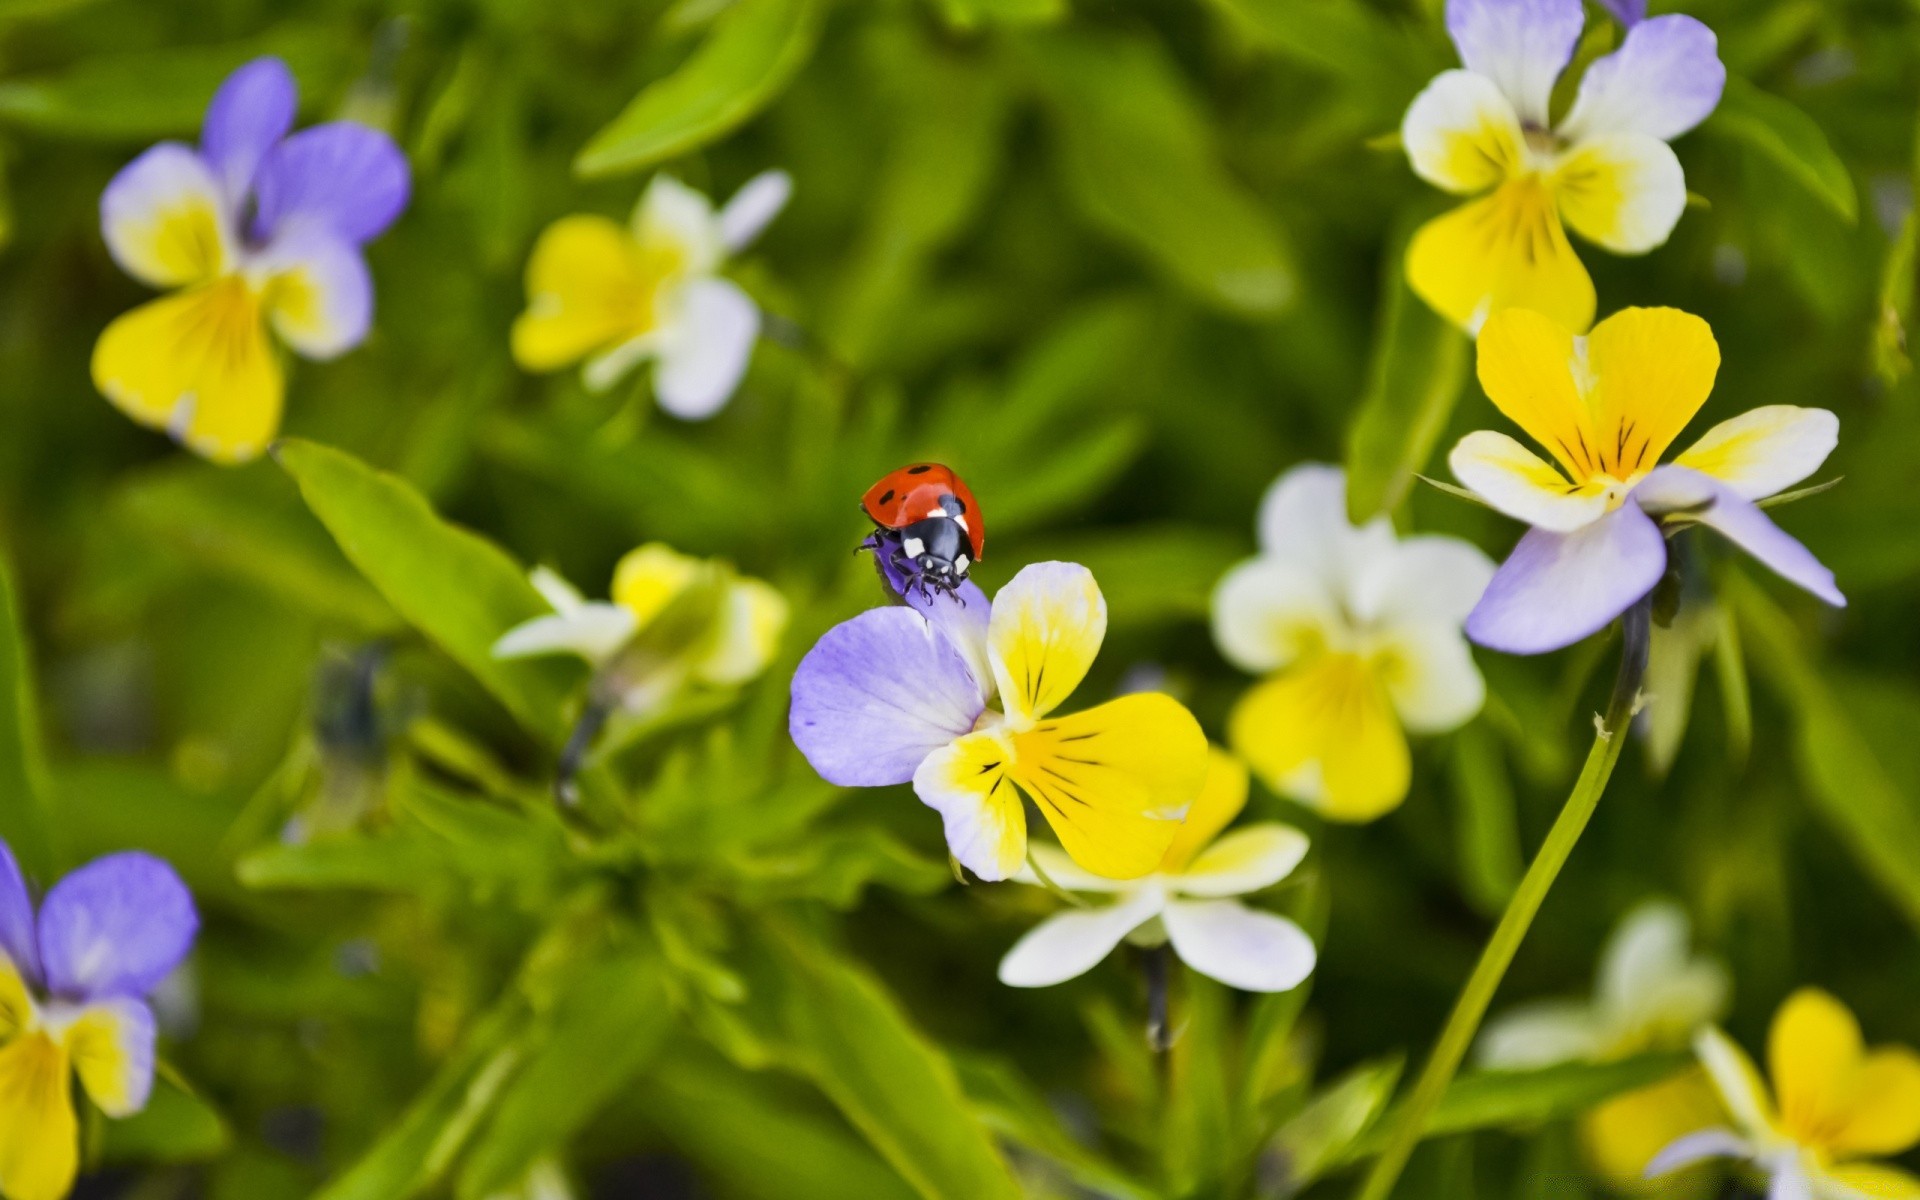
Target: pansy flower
point(1188, 901)
point(907, 693)
point(617, 295)
point(1652, 993)
point(1834, 1106)
point(74, 981)
point(1606, 407)
point(256, 228)
point(1357, 633)
point(1605, 168)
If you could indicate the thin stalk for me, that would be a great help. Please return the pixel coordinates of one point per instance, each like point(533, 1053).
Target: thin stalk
point(1464, 1023)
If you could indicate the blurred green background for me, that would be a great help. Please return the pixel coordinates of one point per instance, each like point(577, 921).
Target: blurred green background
point(1120, 266)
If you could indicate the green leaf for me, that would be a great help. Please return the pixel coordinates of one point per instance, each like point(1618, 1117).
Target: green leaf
point(23, 771)
point(1419, 366)
point(459, 589)
point(1783, 134)
point(175, 1127)
point(1138, 158)
point(1015, 1110)
point(972, 14)
point(1332, 1120)
point(755, 48)
point(1345, 38)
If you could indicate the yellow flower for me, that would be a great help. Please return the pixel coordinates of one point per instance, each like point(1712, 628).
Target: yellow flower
point(1834, 1106)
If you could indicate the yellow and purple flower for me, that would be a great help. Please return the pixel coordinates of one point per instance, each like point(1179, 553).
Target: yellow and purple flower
point(1606, 407)
point(74, 981)
point(255, 228)
point(1605, 168)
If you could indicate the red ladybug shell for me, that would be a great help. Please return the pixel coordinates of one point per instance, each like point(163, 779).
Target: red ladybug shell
point(914, 493)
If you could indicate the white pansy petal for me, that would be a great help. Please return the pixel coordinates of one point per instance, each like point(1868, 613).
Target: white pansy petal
point(758, 202)
point(1541, 1034)
point(592, 631)
point(751, 622)
point(1267, 612)
point(704, 352)
point(1461, 133)
point(1303, 521)
point(1522, 45)
point(1765, 451)
point(1420, 579)
point(1523, 485)
point(1696, 1148)
point(1790, 1181)
point(967, 783)
point(1736, 1080)
point(674, 221)
point(165, 220)
point(1665, 78)
point(555, 590)
point(1239, 946)
point(1066, 873)
point(1430, 675)
point(1623, 191)
point(111, 1043)
point(1243, 861)
point(1047, 624)
point(319, 294)
point(1073, 942)
point(1649, 948)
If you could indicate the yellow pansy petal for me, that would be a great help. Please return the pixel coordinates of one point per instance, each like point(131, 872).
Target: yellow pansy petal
point(1522, 485)
point(16, 1005)
point(1506, 250)
point(1883, 1109)
point(1813, 1050)
point(1063, 872)
point(1325, 735)
point(1527, 363)
point(39, 1136)
point(197, 364)
point(1874, 1181)
point(1736, 1080)
point(1622, 1135)
point(969, 784)
point(1222, 795)
point(1461, 133)
point(111, 1044)
point(1046, 627)
point(586, 291)
point(165, 220)
point(647, 579)
point(1624, 191)
point(1243, 861)
point(1767, 450)
point(747, 634)
point(1652, 370)
point(1115, 781)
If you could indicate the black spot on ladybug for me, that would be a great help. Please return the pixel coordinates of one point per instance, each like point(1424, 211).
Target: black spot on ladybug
point(922, 469)
point(888, 498)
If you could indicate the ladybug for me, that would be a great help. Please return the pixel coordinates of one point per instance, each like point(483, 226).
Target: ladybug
point(929, 527)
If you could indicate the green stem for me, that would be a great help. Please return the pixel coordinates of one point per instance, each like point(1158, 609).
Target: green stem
point(1471, 1007)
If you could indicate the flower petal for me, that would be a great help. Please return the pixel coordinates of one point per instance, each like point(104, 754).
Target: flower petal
point(16, 1002)
point(17, 940)
point(1790, 1181)
point(251, 112)
point(341, 176)
point(1623, 191)
point(752, 618)
point(39, 1135)
point(1072, 943)
point(1882, 1116)
point(1543, 1033)
point(1622, 1135)
point(1652, 369)
point(197, 364)
point(647, 578)
point(592, 631)
point(1715, 505)
point(1736, 1080)
point(757, 203)
point(1522, 45)
point(111, 1044)
point(676, 228)
point(1325, 735)
point(319, 295)
point(1426, 578)
point(1557, 588)
point(1665, 78)
point(1504, 250)
point(1114, 781)
point(1698, 1147)
point(1269, 612)
point(585, 292)
point(1064, 872)
point(1047, 625)
point(1519, 483)
point(1627, 12)
point(1243, 861)
point(165, 221)
point(965, 617)
point(1526, 362)
point(1651, 985)
point(968, 783)
point(1461, 133)
point(115, 927)
point(1765, 451)
point(704, 348)
point(878, 694)
point(1239, 946)
point(1303, 521)
point(1223, 793)
point(1430, 675)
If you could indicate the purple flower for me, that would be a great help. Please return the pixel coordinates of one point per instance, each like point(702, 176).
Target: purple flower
point(74, 979)
point(257, 228)
point(1606, 407)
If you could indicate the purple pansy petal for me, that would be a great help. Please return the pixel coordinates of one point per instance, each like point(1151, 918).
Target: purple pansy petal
point(1522, 45)
point(115, 927)
point(321, 301)
point(1662, 81)
point(16, 917)
point(250, 113)
point(1627, 12)
point(342, 175)
point(1556, 588)
point(1717, 506)
point(963, 618)
point(879, 693)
